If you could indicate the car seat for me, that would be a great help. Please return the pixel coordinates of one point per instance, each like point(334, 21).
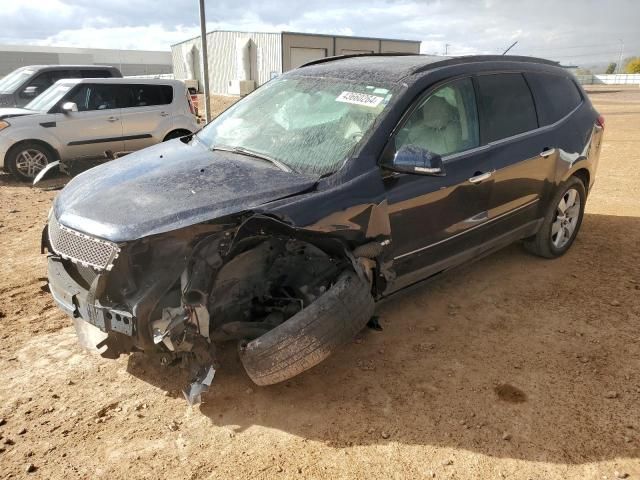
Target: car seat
point(436, 127)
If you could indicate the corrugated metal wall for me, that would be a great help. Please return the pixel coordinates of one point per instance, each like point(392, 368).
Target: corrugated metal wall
point(396, 46)
point(266, 58)
point(328, 45)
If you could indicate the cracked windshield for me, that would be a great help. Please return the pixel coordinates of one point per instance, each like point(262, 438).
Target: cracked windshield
point(307, 124)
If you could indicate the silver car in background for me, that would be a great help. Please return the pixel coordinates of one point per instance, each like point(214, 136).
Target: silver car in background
point(87, 120)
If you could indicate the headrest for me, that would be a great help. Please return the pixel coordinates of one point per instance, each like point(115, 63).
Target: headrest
point(438, 113)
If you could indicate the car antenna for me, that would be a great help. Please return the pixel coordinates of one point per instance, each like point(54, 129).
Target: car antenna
point(510, 47)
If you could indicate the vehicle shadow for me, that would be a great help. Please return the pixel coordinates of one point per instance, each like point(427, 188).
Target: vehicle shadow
point(512, 356)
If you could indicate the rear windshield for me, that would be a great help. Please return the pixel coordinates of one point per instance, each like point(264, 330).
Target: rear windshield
point(309, 124)
point(11, 82)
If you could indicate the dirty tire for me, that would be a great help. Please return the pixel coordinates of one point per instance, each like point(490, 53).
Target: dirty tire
point(39, 155)
point(542, 243)
point(311, 335)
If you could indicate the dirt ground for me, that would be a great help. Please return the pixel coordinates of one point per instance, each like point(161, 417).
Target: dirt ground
point(512, 367)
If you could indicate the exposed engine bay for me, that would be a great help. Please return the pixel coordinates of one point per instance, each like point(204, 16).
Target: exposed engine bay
point(253, 293)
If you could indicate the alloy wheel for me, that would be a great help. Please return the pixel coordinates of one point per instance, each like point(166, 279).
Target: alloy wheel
point(30, 161)
point(566, 220)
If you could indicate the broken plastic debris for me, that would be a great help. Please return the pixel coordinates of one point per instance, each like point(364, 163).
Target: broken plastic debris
point(200, 385)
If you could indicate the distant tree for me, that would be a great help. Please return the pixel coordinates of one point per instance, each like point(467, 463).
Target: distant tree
point(611, 68)
point(583, 71)
point(633, 65)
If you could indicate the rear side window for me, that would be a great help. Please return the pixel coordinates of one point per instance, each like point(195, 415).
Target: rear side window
point(95, 74)
point(556, 96)
point(149, 95)
point(62, 74)
point(506, 106)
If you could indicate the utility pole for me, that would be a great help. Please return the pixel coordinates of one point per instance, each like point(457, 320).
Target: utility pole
point(205, 62)
point(621, 54)
point(446, 49)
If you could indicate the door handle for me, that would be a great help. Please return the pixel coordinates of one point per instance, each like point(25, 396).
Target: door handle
point(164, 114)
point(112, 119)
point(547, 151)
point(481, 177)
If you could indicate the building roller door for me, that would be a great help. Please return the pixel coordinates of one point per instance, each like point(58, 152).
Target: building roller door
point(300, 56)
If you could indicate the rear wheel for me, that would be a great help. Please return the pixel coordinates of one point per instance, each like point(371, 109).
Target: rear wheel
point(25, 160)
point(562, 222)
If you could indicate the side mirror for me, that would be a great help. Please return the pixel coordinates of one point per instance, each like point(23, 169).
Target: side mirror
point(30, 92)
point(417, 160)
point(69, 107)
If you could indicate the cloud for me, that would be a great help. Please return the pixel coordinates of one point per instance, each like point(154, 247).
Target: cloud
point(132, 37)
point(572, 31)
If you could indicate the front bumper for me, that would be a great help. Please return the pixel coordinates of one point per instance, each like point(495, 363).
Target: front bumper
point(66, 292)
point(100, 328)
point(5, 144)
point(96, 324)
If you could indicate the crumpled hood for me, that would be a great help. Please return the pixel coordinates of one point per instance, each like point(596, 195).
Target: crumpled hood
point(15, 112)
point(170, 186)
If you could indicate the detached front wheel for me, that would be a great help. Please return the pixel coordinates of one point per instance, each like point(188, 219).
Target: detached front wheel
point(562, 222)
point(312, 334)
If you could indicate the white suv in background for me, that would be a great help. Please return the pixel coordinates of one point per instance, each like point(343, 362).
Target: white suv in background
point(83, 119)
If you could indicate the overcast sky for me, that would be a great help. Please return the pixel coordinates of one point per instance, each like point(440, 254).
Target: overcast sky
point(572, 31)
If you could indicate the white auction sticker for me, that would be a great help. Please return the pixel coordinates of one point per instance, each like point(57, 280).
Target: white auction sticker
point(360, 99)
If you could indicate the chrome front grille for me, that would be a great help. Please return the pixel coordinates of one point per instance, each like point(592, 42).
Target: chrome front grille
point(81, 248)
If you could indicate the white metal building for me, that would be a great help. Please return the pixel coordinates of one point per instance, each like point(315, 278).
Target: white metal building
point(241, 61)
point(130, 62)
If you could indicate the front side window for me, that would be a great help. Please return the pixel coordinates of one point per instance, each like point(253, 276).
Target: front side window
point(446, 122)
point(309, 124)
point(38, 85)
point(506, 106)
point(97, 97)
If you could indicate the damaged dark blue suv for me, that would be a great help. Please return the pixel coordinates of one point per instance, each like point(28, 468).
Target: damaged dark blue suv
point(281, 222)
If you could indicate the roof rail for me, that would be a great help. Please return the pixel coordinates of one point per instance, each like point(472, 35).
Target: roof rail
point(443, 61)
point(352, 55)
point(486, 58)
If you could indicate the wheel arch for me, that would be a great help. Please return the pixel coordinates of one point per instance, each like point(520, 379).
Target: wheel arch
point(179, 132)
point(585, 176)
point(260, 226)
point(38, 141)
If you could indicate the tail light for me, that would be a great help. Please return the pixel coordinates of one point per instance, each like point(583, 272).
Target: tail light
point(600, 121)
point(191, 107)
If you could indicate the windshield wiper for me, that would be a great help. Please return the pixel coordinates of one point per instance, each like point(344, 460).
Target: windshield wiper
point(251, 153)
